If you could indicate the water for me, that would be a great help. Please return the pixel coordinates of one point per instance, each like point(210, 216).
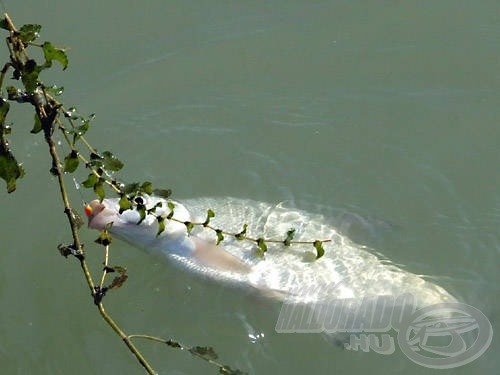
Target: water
point(387, 111)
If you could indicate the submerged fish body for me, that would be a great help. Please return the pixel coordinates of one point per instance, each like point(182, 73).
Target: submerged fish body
point(346, 271)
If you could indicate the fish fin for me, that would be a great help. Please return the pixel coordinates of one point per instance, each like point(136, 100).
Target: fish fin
point(215, 256)
point(274, 293)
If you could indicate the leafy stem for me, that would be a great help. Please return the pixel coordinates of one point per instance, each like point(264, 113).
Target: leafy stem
point(260, 242)
point(50, 117)
point(206, 353)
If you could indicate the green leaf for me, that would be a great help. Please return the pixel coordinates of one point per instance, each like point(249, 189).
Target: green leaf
point(72, 114)
point(261, 243)
point(210, 214)
point(12, 93)
point(171, 206)
point(28, 33)
point(161, 225)
point(146, 187)
point(120, 269)
point(152, 210)
point(99, 189)
point(19, 96)
point(38, 125)
point(189, 227)
point(52, 53)
point(173, 344)
point(124, 203)
point(162, 193)
point(259, 252)
point(119, 280)
point(220, 236)
point(206, 352)
point(131, 188)
point(289, 237)
point(4, 24)
point(4, 109)
point(71, 162)
point(318, 245)
point(10, 169)
point(81, 130)
point(65, 250)
point(54, 90)
point(90, 181)
point(29, 76)
point(110, 162)
point(141, 209)
point(241, 236)
point(104, 238)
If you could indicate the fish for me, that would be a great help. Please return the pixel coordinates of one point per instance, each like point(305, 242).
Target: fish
point(346, 271)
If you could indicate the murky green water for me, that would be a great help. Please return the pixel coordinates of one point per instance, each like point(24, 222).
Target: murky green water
point(387, 111)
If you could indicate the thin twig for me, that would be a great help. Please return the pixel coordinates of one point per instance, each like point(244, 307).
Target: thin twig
point(48, 117)
point(78, 246)
point(105, 270)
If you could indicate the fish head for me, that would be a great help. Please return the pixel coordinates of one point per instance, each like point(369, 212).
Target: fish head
point(100, 214)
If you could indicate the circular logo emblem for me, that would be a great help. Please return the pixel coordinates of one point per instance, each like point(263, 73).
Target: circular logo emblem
point(445, 335)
